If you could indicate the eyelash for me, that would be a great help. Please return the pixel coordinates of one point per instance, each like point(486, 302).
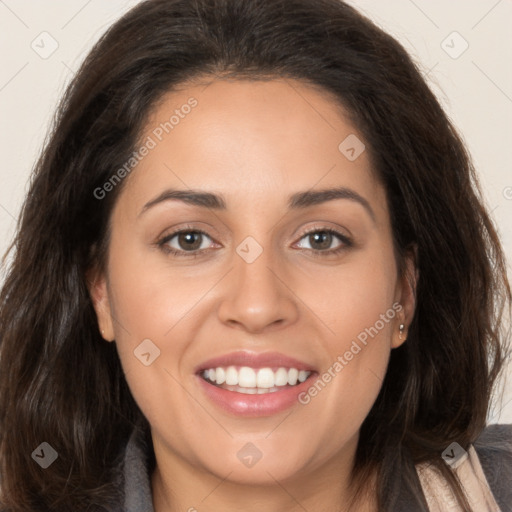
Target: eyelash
point(346, 242)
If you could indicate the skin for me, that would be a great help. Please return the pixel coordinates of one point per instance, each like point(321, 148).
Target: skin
point(256, 143)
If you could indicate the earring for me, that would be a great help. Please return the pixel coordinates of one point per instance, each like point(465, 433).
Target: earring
point(401, 327)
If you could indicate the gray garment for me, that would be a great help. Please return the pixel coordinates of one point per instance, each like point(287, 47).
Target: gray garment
point(494, 449)
point(137, 486)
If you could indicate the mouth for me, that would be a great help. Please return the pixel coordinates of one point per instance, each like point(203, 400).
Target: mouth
point(251, 381)
point(250, 384)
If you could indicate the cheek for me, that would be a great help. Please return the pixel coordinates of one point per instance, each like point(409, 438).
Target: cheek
point(356, 304)
point(151, 309)
point(152, 301)
point(351, 297)
point(146, 304)
point(150, 296)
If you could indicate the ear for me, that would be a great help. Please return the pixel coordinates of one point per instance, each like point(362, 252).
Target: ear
point(406, 297)
point(98, 290)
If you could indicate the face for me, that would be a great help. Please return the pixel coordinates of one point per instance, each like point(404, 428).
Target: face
point(265, 274)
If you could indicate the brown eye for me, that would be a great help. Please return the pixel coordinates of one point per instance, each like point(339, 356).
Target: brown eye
point(320, 240)
point(190, 240)
point(185, 241)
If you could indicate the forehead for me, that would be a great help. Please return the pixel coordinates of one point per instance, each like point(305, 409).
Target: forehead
point(256, 142)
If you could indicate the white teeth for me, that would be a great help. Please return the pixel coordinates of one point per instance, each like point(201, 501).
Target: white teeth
point(265, 378)
point(252, 391)
point(231, 376)
point(220, 376)
point(303, 375)
point(246, 377)
point(255, 380)
point(293, 374)
point(281, 378)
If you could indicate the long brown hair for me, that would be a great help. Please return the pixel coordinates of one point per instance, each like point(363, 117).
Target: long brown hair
point(61, 383)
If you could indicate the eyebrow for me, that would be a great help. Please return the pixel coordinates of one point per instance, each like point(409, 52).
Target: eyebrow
point(297, 201)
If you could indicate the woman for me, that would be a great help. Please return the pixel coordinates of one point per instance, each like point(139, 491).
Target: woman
point(254, 272)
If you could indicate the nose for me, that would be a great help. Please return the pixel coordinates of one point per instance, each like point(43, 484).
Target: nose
point(258, 296)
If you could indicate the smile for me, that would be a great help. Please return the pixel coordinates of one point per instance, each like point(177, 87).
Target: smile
point(251, 384)
point(254, 380)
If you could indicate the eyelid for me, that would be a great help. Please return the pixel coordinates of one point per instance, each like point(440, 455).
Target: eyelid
point(326, 227)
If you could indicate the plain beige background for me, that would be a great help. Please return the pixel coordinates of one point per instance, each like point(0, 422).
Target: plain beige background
point(463, 47)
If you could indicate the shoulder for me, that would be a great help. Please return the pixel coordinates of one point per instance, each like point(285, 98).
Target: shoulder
point(494, 449)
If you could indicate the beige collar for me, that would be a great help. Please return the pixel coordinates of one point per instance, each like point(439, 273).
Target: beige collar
point(466, 466)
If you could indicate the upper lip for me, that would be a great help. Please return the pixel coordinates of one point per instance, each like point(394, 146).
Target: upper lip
point(254, 360)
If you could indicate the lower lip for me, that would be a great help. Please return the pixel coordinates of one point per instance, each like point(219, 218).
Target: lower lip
point(243, 404)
